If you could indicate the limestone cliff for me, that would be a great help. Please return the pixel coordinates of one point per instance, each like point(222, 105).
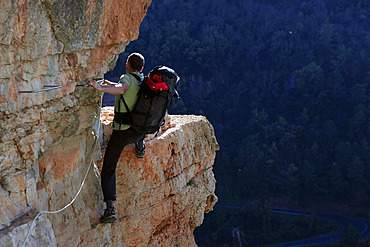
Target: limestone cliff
point(47, 138)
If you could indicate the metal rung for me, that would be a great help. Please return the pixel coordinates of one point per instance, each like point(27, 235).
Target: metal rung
point(52, 87)
point(48, 87)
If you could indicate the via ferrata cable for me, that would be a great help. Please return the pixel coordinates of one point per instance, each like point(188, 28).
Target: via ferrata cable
point(69, 204)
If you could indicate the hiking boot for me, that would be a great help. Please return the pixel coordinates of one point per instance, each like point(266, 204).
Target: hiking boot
point(140, 151)
point(109, 216)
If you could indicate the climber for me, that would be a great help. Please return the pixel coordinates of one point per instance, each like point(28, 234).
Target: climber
point(122, 134)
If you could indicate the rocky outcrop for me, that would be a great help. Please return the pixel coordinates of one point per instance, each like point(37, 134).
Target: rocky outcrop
point(47, 139)
point(163, 197)
point(45, 42)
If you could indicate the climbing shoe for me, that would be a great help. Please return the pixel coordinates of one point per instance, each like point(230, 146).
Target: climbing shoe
point(140, 151)
point(109, 216)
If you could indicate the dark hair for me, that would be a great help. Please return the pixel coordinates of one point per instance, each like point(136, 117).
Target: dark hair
point(136, 61)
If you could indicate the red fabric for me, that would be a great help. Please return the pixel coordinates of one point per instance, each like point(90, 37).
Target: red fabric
point(157, 78)
point(156, 84)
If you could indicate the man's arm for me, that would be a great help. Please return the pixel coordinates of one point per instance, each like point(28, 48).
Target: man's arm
point(117, 88)
point(109, 83)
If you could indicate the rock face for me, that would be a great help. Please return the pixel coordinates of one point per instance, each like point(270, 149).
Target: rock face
point(163, 197)
point(47, 139)
point(46, 42)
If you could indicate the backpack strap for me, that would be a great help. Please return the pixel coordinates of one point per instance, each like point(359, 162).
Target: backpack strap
point(121, 97)
point(118, 115)
point(124, 102)
point(136, 77)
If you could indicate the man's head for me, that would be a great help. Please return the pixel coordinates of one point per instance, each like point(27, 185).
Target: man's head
point(136, 61)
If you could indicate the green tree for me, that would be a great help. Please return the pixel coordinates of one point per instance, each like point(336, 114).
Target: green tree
point(350, 237)
point(309, 78)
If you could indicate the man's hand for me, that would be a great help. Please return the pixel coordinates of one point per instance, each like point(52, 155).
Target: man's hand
point(95, 85)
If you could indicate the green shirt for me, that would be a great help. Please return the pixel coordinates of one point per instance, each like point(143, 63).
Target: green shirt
point(130, 96)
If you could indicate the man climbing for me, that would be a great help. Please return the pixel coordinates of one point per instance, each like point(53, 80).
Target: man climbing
point(122, 134)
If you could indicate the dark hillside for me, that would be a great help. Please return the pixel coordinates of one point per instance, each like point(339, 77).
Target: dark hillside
point(286, 85)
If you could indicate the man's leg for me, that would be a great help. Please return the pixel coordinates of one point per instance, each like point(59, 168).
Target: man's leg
point(117, 141)
point(108, 173)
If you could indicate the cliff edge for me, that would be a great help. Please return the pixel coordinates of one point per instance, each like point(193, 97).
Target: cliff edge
point(51, 135)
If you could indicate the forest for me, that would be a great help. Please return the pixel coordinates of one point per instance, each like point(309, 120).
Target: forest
point(286, 85)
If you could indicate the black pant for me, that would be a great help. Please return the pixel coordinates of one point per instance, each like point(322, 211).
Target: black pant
point(118, 140)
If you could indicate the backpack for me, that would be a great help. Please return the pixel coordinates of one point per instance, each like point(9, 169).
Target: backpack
point(154, 96)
